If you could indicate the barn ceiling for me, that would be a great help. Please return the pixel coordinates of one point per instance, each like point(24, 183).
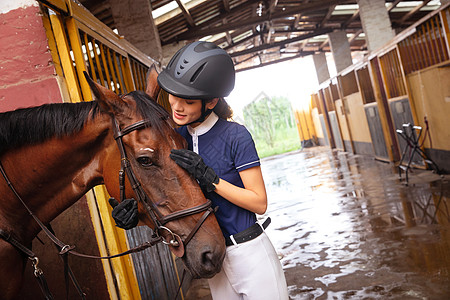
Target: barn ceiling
point(261, 32)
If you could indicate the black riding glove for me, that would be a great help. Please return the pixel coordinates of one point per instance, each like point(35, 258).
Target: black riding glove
point(193, 163)
point(125, 213)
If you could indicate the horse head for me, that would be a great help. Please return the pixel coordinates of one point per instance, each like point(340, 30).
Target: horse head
point(169, 200)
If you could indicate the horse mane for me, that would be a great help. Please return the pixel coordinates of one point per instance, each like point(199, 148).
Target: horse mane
point(150, 110)
point(27, 126)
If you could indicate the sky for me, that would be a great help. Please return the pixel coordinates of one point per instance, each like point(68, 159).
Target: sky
point(295, 79)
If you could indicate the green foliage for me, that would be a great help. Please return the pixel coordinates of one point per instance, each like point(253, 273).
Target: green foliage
point(272, 125)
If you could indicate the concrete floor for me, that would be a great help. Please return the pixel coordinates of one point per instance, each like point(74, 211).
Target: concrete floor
point(346, 227)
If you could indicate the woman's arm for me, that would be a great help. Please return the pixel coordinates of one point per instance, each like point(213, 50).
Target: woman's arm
point(253, 197)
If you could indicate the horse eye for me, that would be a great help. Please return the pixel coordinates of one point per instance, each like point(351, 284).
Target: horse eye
point(145, 161)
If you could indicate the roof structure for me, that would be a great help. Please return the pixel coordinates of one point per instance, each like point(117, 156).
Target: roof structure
point(261, 32)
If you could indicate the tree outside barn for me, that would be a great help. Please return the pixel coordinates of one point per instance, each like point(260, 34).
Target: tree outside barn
point(271, 122)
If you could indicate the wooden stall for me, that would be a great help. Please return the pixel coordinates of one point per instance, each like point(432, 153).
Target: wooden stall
point(405, 82)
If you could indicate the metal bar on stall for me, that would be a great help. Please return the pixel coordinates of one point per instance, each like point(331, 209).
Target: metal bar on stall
point(111, 69)
point(446, 29)
point(80, 62)
point(434, 56)
point(105, 66)
point(125, 73)
point(417, 51)
point(118, 73)
point(139, 75)
point(437, 38)
point(97, 61)
point(445, 33)
point(88, 52)
point(64, 53)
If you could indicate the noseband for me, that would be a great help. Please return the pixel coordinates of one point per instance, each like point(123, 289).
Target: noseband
point(152, 210)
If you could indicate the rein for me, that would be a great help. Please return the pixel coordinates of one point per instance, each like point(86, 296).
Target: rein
point(157, 218)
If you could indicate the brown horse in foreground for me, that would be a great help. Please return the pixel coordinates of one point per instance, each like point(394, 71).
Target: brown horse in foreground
point(54, 154)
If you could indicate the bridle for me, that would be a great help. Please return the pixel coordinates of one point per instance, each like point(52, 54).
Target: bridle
point(157, 218)
point(152, 210)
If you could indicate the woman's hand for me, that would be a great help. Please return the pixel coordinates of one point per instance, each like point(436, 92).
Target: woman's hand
point(194, 164)
point(125, 213)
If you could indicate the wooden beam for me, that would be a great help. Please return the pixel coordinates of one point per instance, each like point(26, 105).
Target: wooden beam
point(351, 19)
point(393, 5)
point(327, 16)
point(281, 43)
point(269, 33)
point(247, 59)
point(226, 5)
point(327, 40)
point(227, 33)
point(301, 54)
point(272, 5)
point(413, 11)
point(355, 35)
point(186, 13)
point(295, 22)
point(199, 33)
point(242, 41)
point(229, 15)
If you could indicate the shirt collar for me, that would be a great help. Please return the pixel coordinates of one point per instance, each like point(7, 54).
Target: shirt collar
point(205, 126)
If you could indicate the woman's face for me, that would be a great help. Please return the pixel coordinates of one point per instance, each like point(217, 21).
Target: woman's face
point(185, 111)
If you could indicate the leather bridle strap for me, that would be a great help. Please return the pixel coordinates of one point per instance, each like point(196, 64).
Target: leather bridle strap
point(42, 282)
point(153, 211)
point(64, 248)
point(157, 218)
point(199, 223)
point(185, 213)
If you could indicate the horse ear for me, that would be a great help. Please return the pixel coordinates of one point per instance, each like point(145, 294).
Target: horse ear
point(107, 99)
point(153, 87)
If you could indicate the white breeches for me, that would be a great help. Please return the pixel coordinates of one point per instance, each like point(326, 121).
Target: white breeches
point(250, 271)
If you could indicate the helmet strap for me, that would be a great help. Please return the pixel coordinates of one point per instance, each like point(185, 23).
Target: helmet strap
point(205, 113)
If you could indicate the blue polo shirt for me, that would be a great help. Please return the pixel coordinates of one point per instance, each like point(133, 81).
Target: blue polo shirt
point(228, 148)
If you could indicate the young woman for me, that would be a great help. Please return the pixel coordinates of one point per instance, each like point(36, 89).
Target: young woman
point(223, 159)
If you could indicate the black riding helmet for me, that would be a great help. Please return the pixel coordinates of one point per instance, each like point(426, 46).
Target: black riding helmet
point(200, 70)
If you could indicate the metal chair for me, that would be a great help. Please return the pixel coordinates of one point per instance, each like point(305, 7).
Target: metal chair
point(412, 139)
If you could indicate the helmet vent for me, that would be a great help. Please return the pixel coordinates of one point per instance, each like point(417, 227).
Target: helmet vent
point(172, 60)
point(197, 73)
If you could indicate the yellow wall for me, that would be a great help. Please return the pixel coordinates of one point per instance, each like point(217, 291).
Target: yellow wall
point(316, 121)
point(430, 94)
point(342, 120)
point(357, 119)
point(305, 124)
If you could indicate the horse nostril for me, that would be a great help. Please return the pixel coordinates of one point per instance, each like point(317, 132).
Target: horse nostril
point(207, 258)
point(211, 262)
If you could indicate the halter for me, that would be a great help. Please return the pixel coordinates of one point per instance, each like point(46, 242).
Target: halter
point(152, 210)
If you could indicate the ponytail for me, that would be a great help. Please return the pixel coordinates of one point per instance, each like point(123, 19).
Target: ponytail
point(223, 110)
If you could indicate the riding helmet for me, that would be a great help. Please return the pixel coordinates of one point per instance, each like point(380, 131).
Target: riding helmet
point(200, 70)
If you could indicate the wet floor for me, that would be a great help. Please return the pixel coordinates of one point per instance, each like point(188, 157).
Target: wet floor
point(346, 227)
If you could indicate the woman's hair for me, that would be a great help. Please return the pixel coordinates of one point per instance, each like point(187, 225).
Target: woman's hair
point(223, 110)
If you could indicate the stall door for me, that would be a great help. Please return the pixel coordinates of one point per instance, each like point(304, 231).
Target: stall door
point(376, 131)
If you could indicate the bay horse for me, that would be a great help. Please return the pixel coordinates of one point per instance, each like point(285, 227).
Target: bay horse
point(55, 153)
